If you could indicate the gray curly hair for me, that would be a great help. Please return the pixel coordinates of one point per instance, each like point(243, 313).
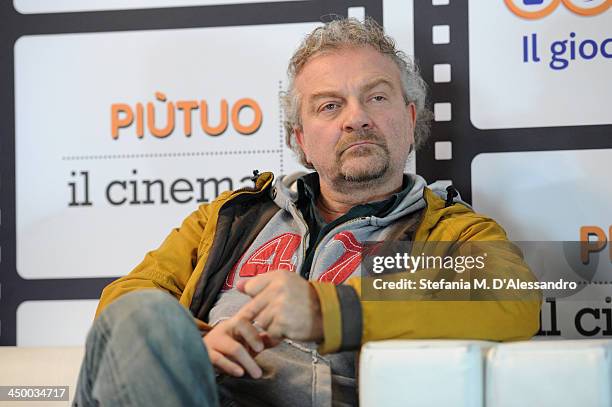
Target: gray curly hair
point(350, 32)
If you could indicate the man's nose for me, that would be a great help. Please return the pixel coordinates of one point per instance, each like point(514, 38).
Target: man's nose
point(356, 117)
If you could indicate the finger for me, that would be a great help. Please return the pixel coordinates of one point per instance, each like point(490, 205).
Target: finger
point(202, 326)
point(236, 351)
point(251, 310)
point(275, 331)
point(268, 341)
point(255, 285)
point(240, 285)
point(225, 365)
point(249, 333)
point(265, 317)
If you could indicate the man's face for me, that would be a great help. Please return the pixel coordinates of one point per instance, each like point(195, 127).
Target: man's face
point(356, 126)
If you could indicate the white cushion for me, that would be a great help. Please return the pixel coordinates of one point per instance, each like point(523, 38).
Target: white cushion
point(550, 373)
point(53, 366)
point(422, 373)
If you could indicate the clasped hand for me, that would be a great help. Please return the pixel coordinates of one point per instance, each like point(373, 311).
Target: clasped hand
point(282, 305)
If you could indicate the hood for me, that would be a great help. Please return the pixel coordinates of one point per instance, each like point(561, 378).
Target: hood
point(285, 195)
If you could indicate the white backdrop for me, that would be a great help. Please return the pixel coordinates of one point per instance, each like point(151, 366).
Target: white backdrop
point(69, 167)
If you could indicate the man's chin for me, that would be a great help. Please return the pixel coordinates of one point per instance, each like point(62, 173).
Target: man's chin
point(363, 174)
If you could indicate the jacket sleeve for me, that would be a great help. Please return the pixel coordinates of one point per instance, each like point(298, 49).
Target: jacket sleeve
point(349, 320)
point(167, 268)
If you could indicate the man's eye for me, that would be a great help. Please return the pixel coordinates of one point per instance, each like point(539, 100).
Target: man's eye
point(379, 98)
point(329, 106)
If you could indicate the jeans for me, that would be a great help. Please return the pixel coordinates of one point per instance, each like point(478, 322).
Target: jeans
point(145, 350)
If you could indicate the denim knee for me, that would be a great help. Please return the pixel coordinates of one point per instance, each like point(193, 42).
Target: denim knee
point(146, 347)
point(145, 308)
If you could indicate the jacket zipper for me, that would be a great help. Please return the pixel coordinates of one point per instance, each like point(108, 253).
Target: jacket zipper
point(297, 213)
point(316, 253)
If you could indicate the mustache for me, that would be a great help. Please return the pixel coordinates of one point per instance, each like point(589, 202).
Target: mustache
point(359, 136)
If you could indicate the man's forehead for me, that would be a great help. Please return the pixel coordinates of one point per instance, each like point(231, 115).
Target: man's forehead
point(327, 89)
point(361, 67)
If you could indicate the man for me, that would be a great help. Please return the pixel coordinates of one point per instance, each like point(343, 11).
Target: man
point(275, 271)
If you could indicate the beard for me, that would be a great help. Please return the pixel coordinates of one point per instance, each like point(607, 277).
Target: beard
point(364, 164)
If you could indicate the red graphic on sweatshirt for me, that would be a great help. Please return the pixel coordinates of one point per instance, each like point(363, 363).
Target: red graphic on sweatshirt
point(275, 254)
point(229, 280)
point(347, 263)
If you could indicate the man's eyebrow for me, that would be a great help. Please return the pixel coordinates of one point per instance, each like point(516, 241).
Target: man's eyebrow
point(334, 94)
point(323, 94)
point(377, 81)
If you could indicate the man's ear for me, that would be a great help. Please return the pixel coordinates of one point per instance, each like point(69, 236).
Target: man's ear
point(299, 136)
point(411, 108)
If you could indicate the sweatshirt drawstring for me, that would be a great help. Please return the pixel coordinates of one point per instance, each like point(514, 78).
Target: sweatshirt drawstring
point(451, 193)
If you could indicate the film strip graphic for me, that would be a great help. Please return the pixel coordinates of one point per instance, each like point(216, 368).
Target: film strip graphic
point(442, 49)
point(14, 289)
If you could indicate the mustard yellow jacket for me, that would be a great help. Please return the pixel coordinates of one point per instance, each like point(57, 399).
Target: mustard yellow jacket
point(185, 265)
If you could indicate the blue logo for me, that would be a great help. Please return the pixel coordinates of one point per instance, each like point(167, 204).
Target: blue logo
point(532, 2)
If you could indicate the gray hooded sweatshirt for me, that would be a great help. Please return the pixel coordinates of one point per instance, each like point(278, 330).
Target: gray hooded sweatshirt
point(294, 373)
